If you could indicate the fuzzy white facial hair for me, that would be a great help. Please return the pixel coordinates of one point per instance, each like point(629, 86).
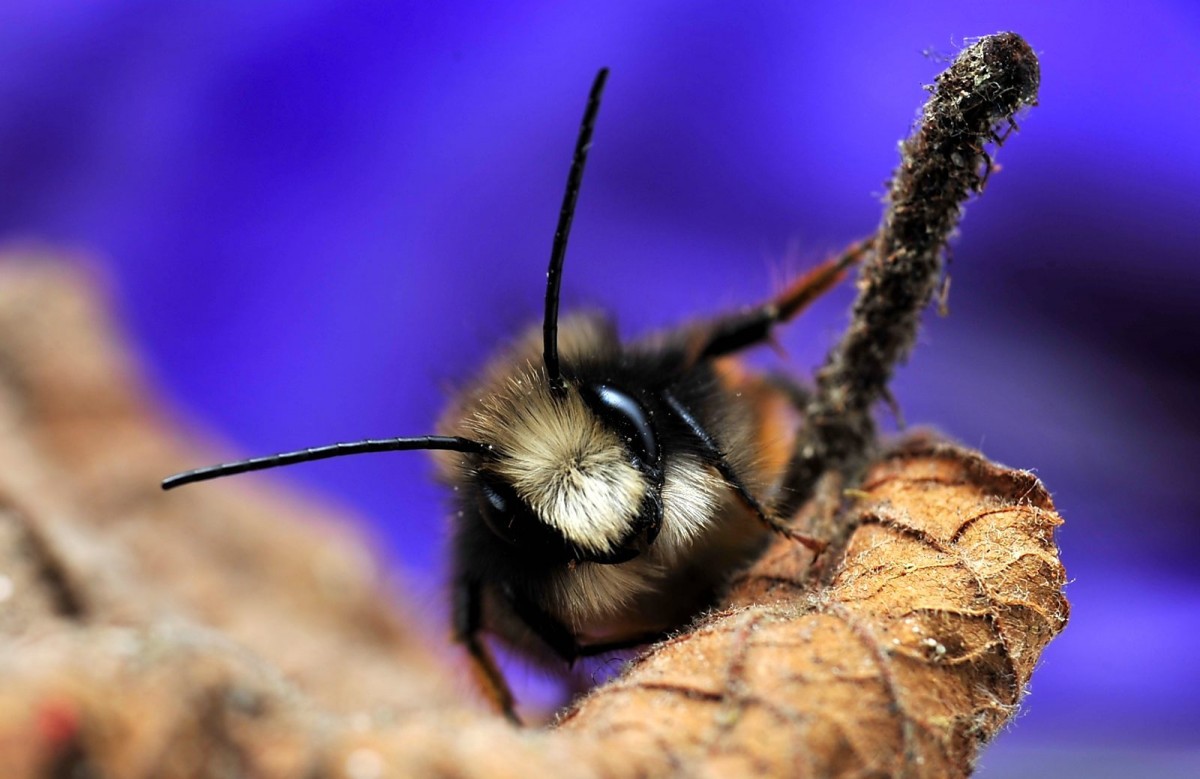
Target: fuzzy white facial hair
point(568, 467)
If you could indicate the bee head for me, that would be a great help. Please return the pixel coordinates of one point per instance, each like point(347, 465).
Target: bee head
point(573, 474)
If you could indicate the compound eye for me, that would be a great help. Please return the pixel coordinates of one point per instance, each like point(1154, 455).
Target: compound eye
point(496, 502)
point(498, 508)
point(507, 516)
point(624, 414)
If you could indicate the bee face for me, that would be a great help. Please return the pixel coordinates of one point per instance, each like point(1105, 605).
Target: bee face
point(570, 475)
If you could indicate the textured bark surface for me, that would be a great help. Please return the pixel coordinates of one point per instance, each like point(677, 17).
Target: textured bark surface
point(234, 632)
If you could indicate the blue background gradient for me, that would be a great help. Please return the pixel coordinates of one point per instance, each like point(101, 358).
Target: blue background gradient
point(319, 216)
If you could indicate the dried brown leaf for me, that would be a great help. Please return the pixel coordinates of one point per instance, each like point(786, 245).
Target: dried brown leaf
point(911, 657)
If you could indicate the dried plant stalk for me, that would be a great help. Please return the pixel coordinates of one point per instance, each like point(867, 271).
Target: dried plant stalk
point(941, 165)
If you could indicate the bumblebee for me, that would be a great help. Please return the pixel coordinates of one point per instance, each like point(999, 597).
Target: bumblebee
point(603, 491)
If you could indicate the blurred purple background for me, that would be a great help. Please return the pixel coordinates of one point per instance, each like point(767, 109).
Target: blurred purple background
point(318, 216)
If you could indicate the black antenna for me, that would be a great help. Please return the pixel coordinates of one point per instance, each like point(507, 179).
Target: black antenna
point(452, 443)
point(559, 252)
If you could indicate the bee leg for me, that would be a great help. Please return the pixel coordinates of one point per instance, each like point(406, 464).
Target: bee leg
point(773, 521)
point(645, 639)
point(717, 459)
point(553, 633)
point(563, 642)
point(738, 331)
point(468, 621)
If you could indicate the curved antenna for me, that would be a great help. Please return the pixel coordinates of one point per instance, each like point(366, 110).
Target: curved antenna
point(559, 252)
point(452, 443)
